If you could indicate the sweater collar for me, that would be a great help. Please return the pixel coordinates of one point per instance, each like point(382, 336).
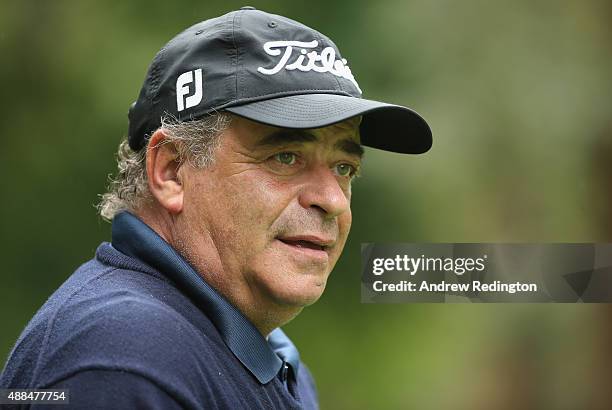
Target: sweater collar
point(263, 358)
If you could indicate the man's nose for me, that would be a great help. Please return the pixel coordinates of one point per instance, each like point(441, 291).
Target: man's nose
point(323, 191)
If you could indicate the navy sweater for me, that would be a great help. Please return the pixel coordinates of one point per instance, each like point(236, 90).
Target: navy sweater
point(140, 329)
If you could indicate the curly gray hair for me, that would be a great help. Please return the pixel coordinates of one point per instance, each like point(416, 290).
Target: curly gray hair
point(196, 142)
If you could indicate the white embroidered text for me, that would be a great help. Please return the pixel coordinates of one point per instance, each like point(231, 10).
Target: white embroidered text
point(321, 63)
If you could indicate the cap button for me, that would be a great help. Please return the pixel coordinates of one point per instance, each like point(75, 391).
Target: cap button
point(248, 8)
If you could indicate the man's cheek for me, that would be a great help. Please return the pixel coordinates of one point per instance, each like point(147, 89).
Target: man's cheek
point(344, 223)
point(246, 211)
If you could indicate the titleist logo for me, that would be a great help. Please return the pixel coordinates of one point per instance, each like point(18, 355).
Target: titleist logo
point(321, 63)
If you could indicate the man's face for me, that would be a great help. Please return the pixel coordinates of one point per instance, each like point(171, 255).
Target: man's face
point(272, 214)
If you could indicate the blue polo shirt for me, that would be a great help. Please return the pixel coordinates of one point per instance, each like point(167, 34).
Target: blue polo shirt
point(138, 327)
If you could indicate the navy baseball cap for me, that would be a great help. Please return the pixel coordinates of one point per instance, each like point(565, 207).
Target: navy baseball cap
point(269, 69)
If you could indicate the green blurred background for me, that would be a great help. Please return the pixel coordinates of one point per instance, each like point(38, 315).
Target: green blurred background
point(518, 94)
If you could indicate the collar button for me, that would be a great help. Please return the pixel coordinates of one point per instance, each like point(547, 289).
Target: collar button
point(284, 371)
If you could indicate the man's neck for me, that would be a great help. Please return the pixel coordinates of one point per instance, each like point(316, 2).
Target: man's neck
point(261, 311)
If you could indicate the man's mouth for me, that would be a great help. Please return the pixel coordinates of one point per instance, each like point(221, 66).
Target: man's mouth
point(303, 244)
point(308, 242)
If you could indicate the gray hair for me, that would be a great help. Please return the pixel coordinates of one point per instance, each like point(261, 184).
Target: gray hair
point(196, 142)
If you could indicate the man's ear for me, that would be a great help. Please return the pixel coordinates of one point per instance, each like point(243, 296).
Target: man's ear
point(163, 173)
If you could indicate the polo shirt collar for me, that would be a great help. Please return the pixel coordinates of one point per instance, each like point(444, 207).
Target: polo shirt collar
point(262, 358)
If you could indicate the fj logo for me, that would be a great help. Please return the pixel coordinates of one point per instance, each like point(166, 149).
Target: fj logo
point(183, 99)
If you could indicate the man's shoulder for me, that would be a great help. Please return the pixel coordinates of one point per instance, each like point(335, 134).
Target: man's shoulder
point(124, 330)
point(104, 317)
point(129, 319)
point(118, 303)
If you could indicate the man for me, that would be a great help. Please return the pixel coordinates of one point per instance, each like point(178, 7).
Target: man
point(229, 211)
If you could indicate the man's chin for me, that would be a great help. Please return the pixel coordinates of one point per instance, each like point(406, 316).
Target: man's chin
point(300, 301)
point(298, 296)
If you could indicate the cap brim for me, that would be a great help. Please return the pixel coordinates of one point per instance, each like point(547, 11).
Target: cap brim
point(383, 126)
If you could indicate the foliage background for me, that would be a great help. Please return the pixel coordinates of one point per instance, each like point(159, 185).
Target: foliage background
point(518, 94)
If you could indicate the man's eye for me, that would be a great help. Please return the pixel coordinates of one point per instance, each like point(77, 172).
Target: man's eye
point(345, 170)
point(286, 158)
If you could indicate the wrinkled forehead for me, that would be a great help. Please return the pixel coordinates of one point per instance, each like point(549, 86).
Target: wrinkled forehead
point(346, 129)
point(342, 136)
